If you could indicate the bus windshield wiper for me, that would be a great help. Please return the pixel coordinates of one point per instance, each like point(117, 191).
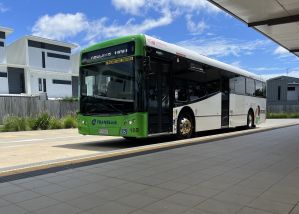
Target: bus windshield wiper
point(116, 109)
point(109, 104)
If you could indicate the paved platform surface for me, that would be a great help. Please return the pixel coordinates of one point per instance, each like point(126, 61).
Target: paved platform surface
point(26, 149)
point(252, 174)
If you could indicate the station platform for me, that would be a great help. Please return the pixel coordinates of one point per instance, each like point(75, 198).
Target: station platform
point(256, 173)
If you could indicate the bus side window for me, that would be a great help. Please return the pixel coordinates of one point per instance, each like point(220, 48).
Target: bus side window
point(258, 88)
point(264, 90)
point(237, 85)
point(250, 86)
point(181, 95)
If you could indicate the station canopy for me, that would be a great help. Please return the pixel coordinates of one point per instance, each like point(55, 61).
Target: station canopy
point(276, 19)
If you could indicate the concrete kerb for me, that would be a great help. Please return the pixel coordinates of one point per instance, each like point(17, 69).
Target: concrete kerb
point(55, 166)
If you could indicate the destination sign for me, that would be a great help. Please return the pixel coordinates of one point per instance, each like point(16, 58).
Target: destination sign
point(122, 50)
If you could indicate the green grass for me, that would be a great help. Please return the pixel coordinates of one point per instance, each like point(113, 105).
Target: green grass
point(282, 115)
point(70, 122)
point(42, 122)
point(13, 123)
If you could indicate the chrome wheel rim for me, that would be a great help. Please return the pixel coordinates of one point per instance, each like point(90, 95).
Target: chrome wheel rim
point(185, 126)
point(250, 120)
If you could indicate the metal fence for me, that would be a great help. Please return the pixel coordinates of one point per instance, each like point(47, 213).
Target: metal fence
point(32, 106)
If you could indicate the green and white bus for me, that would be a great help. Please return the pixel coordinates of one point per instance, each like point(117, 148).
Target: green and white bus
point(138, 86)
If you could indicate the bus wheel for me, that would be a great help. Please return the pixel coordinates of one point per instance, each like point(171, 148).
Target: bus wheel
point(185, 126)
point(250, 120)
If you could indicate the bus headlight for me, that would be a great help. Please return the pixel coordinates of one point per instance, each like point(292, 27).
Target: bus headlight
point(131, 122)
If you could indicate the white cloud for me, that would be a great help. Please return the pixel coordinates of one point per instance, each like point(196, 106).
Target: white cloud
point(268, 69)
point(195, 28)
point(221, 47)
point(281, 52)
point(139, 7)
point(3, 8)
point(236, 64)
point(196, 5)
point(293, 73)
point(65, 26)
point(60, 26)
point(129, 6)
point(102, 29)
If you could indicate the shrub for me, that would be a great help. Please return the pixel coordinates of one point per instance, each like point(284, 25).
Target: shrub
point(32, 123)
point(70, 99)
point(13, 123)
point(56, 123)
point(70, 122)
point(42, 122)
point(282, 115)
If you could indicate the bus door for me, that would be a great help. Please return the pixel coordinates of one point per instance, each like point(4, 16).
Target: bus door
point(158, 96)
point(225, 102)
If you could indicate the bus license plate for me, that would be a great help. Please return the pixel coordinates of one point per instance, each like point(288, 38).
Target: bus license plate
point(103, 131)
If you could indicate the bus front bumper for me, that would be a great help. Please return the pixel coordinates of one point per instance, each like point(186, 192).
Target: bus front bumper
point(131, 125)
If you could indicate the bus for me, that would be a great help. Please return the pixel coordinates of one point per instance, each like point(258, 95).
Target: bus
point(138, 86)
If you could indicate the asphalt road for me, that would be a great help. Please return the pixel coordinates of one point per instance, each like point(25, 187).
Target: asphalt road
point(252, 174)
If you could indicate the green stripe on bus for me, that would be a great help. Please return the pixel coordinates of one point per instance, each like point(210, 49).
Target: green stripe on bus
point(130, 125)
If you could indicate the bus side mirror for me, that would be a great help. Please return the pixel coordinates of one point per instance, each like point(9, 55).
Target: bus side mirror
point(176, 94)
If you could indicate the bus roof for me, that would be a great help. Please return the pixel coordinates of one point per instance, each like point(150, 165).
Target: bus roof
point(180, 51)
point(174, 49)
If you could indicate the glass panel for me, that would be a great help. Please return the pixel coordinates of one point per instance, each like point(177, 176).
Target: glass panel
point(264, 90)
point(250, 86)
point(237, 85)
point(107, 88)
point(109, 81)
point(258, 89)
point(90, 85)
point(194, 81)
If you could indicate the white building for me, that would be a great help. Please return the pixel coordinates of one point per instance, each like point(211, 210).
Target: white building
point(36, 65)
point(4, 32)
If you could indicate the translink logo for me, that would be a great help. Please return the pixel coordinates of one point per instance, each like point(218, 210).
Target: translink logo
point(103, 122)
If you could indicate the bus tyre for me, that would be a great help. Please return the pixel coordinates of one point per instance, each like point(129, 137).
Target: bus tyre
point(250, 120)
point(185, 126)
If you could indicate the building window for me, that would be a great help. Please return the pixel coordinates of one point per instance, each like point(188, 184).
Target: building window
point(3, 74)
point(46, 46)
point(2, 35)
point(45, 85)
point(59, 56)
point(278, 93)
point(291, 88)
point(63, 82)
point(43, 59)
point(40, 87)
point(1, 44)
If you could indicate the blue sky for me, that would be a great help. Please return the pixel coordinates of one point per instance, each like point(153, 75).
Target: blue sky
point(194, 24)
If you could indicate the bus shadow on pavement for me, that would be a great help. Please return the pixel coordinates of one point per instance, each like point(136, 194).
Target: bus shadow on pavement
point(120, 143)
